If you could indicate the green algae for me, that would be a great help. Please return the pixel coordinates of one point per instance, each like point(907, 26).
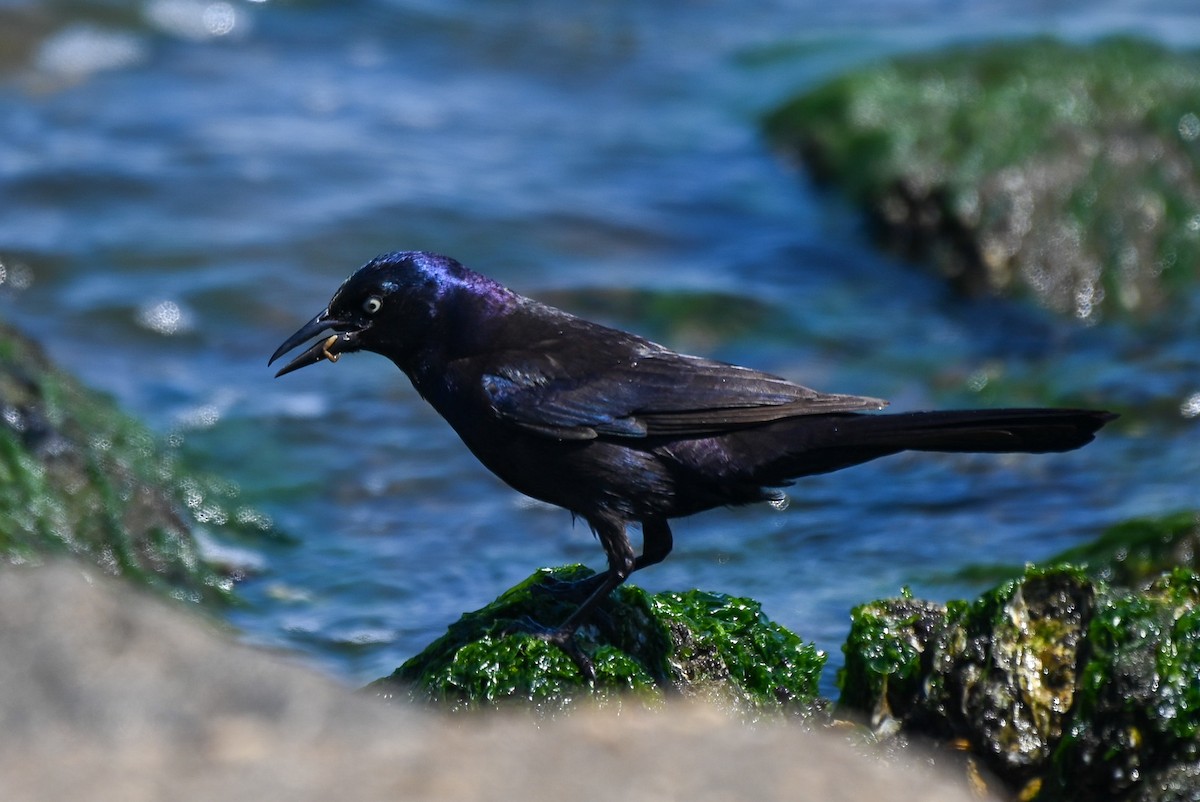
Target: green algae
point(1138, 714)
point(79, 477)
point(1140, 550)
point(1126, 554)
point(645, 647)
point(1065, 686)
point(884, 653)
point(1068, 173)
point(998, 672)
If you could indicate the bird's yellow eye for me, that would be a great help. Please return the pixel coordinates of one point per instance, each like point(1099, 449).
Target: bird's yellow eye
point(372, 305)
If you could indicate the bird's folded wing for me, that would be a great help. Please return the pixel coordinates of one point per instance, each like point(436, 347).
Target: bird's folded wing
point(648, 393)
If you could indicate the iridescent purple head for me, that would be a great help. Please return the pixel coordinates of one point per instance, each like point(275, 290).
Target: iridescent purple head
point(391, 305)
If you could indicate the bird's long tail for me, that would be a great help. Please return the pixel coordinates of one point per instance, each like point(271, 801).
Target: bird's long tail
point(839, 441)
point(1035, 431)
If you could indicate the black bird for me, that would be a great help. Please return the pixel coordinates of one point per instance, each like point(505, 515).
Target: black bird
point(618, 429)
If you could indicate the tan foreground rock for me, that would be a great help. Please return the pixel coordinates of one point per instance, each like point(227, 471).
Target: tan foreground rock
point(108, 694)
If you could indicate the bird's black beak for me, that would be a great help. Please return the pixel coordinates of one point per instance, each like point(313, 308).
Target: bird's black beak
point(330, 347)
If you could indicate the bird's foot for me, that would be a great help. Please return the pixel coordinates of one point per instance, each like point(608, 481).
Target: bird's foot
point(563, 638)
point(569, 590)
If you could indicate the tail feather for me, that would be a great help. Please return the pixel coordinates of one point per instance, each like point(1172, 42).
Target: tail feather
point(844, 440)
point(1034, 431)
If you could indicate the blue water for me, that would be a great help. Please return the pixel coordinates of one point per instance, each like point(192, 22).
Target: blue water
point(184, 183)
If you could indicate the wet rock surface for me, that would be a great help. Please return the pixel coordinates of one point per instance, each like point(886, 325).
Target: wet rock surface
point(1064, 687)
point(698, 645)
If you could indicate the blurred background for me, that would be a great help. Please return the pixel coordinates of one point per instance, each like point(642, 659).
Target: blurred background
point(183, 183)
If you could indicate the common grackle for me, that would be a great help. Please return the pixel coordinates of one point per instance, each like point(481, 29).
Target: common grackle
point(615, 428)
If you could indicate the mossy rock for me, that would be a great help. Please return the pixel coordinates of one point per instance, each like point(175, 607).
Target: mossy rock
point(79, 477)
point(1129, 554)
point(1135, 731)
point(1064, 172)
point(1135, 553)
point(1065, 687)
point(645, 647)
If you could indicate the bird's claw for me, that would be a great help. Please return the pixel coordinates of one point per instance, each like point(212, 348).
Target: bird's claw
point(568, 590)
point(566, 641)
point(563, 638)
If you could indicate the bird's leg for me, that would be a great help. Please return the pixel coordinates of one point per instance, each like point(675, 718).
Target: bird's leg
point(621, 563)
point(656, 545)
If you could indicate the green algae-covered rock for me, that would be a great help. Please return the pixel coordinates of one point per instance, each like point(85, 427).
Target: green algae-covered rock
point(79, 477)
point(999, 672)
point(696, 644)
point(1135, 731)
point(1131, 553)
point(1065, 687)
point(1138, 551)
point(1068, 172)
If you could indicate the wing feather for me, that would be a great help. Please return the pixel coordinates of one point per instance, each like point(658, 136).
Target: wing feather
point(587, 387)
